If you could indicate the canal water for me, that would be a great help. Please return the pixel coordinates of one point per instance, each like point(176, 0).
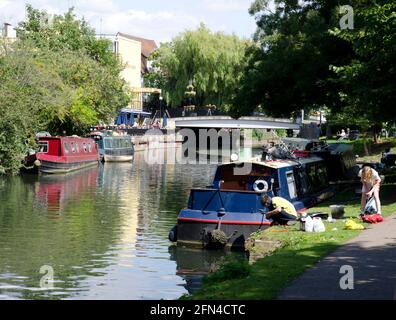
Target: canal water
point(101, 233)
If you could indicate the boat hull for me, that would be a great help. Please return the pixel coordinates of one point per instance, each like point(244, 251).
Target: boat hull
point(49, 167)
point(195, 228)
point(194, 234)
point(110, 158)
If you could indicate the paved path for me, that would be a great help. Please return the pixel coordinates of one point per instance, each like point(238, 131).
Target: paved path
point(373, 257)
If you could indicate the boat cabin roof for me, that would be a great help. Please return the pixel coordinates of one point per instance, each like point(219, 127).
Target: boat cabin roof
point(133, 111)
point(66, 139)
point(276, 164)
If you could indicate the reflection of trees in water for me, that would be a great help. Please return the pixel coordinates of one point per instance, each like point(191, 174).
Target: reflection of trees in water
point(73, 246)
point(166, 189)
point(194, 264)
point(77, 222)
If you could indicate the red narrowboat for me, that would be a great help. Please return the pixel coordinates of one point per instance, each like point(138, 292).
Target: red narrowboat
point(65, 154)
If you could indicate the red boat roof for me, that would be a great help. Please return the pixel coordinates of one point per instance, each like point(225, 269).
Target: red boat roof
point(65, 138)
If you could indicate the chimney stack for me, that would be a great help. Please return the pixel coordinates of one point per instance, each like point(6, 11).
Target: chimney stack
point(9, 31)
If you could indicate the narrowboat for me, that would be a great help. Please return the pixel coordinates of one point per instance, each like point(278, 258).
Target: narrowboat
point(63, 154)
point(114, 148)
point(227, 212)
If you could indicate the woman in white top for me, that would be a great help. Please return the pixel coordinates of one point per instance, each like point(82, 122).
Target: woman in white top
point(371, 184)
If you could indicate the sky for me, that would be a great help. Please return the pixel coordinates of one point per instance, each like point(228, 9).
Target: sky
point(159, 20)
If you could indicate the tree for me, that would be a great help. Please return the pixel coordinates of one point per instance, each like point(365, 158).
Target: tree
point(288, 66)
point(64, 32)
point(368, 80)
point(84, 62)
point(213, 61)
point(55, 77)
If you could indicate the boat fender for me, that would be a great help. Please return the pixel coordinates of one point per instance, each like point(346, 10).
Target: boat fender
point(172, 236)
point(260, 186)
point(218, 236)
point(37, 163)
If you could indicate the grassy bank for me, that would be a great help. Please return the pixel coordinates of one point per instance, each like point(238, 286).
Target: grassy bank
point(367, 149)
point(300, 250)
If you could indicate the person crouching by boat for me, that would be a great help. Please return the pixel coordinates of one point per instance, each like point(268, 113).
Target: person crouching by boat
point(280, 211)
point(371, 185)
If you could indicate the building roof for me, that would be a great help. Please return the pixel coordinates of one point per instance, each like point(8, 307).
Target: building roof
point(148, 46)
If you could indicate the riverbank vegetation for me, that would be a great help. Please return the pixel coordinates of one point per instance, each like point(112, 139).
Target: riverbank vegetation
point(265, 278)
point(58, 77)
point(367, 149)
point(213, 61)
point(303, 58)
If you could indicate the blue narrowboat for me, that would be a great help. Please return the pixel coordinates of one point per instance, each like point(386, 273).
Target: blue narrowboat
point(230, 210)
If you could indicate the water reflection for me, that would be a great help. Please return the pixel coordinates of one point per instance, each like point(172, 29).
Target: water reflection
point(194, 264)
point(103, 230)
point(54, 191)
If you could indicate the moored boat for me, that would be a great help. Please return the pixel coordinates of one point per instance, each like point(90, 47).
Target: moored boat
point(63, 154)
point(114, 148)
point(226, 213)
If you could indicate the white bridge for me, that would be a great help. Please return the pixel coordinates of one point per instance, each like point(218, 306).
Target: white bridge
point(218, 122)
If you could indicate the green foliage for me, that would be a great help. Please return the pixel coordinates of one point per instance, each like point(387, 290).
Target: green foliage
point(288, 66)
point(368, 79)
point(302, 60)
point(56, 77)
point(213, 61)
point(281, 133)
point(234, 267)
point(258, 134)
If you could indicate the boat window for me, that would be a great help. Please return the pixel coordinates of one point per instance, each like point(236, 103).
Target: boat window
point(43, 146)
point(73, 147)
point(126, 143)
point(291, 184)
point(322, 175)
point(85, 147)
point(107, 143)
point(304, 182)
point(231, 180)
point(66, 147)
point(318, 176)
point(116, 143)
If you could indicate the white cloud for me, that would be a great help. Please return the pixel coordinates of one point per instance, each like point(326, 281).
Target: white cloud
point(101, 6)
point(152, 21)
point(227, 5)
point(160, 26)
point(4, 3)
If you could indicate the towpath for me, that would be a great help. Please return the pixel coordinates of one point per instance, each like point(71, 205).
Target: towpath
point(372, 256)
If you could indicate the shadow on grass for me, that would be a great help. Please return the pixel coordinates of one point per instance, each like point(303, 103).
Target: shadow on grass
point(374, 274)
point(268, 275)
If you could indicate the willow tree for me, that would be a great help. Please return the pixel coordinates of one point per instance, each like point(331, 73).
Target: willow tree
point(213, 61)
